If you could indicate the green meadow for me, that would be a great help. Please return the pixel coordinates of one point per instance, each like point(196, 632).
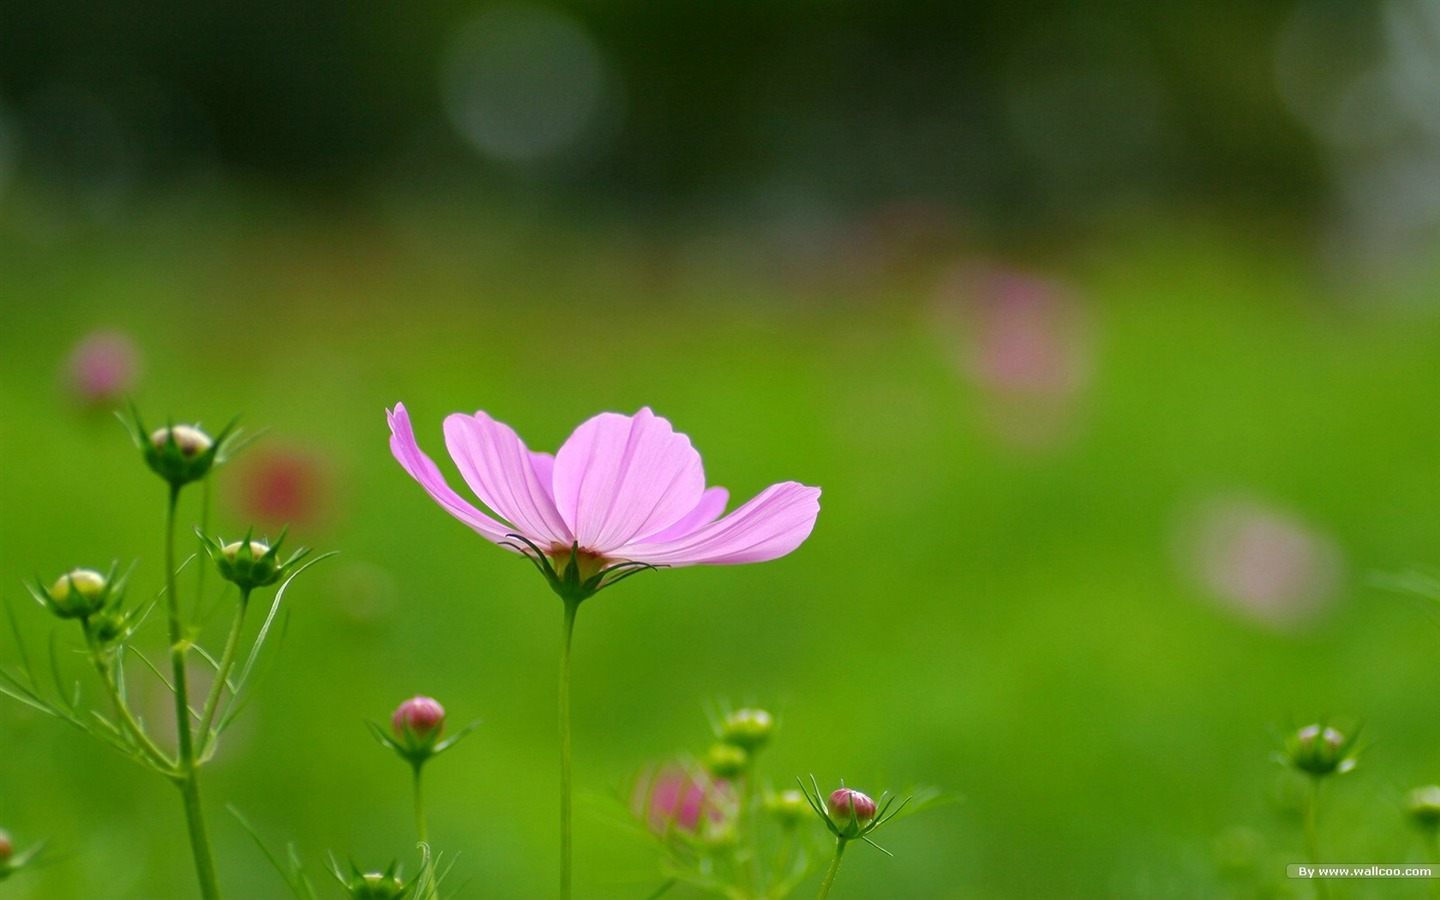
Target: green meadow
point(1000, 598)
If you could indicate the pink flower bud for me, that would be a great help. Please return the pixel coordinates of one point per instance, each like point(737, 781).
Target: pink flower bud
point(847, 805)
point(423, 716)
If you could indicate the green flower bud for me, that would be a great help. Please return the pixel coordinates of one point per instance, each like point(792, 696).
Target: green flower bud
point(788, 807)
point(248, 563)
point(79, 593)
point(726, 761)
point(1422, 806)
point(748, 729)
point(377, 886)
point(1320, 750)
point(180, 453)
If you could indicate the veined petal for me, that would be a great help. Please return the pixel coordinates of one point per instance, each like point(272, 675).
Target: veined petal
point(424, 470)
point(767, 527)
point(711, 505)
point(501, 471)
point(544, 466)
point(620, 476)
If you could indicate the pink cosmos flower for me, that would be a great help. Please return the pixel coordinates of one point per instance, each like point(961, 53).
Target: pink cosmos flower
point(675, 799)
point(623, 492)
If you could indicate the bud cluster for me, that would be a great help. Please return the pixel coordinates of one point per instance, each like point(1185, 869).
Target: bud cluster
point(741, 735)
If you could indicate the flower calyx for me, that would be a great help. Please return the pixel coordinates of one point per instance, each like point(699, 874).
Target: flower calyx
point(386, 885)
point(575, 574)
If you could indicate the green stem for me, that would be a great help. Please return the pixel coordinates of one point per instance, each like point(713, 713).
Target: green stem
point(107, 669)
point(834, 868)
point(420, 807)
point(227, 661)
point(186, 771)
point(1312, 834)
point(566, 841)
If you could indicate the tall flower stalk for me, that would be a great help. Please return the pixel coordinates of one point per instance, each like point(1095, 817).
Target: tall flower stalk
point(623, 494)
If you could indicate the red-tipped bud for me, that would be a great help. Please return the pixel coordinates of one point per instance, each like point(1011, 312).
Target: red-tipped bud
point(7, 847)
point(848, 806)
point(421, 716)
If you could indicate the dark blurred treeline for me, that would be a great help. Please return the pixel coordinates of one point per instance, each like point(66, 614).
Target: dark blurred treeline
point(1009, 109)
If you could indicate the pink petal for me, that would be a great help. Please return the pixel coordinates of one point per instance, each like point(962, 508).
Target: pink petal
point(501, 472)
point(423, 470)
point(771, 525)
point(711, 505)
point(620, 476)
point(544, 466)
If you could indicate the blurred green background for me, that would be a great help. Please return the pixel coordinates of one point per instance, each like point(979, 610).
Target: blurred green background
point(1112, 336)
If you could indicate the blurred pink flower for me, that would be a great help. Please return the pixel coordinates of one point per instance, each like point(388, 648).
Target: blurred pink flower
point(282, 486)
point(101, 368)
point(674, 799)
point(1260, 561)
point(1021, 341)
point(621, 489)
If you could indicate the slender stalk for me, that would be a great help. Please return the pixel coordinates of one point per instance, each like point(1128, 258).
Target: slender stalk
point(420, 808)
point(566, 841)
point(107, 669)
point(834, 868)
point(1312, 835)
point(186, 771)
point(227, 661)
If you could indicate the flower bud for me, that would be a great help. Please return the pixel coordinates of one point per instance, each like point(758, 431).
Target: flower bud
point(7, 847)
point(1319, 750)
point(250, 564)
point(376, 886)
point(851, 811)
point(726, 761)
point(419, 717)
point(676, 799)
point(1422, 805)
point(180, 453)
point(78, 593)
point(748, 729)
point(788, 807)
